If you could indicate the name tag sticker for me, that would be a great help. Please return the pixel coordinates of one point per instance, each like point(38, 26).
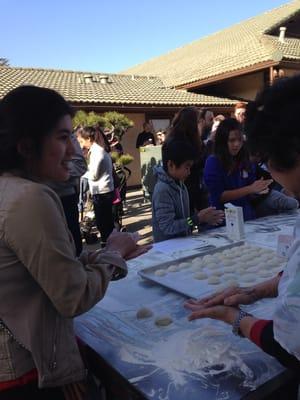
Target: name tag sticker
point(245, 174)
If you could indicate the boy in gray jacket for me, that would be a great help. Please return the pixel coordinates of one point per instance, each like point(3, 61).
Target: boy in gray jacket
point(170, 202)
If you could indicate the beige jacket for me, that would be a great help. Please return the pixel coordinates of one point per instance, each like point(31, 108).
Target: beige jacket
point(42, 285)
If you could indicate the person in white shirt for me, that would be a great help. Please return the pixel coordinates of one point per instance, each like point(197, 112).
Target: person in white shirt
point(100, 177)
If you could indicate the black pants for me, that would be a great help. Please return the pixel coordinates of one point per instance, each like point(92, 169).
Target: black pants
point(103, 213)
point(32, 392)
point(70, 205)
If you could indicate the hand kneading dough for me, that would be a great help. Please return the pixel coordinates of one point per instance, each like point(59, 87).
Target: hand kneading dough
point(163, 320)
point(144, 313)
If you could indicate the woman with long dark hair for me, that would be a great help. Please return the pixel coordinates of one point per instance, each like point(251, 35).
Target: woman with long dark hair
point(43, 284)
point(228, 174)
point(186, 125)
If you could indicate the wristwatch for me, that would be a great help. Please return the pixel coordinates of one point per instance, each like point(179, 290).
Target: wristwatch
point(236, 323)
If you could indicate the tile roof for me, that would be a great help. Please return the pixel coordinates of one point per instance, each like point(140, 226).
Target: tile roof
point(120, 89)
point(240, 46)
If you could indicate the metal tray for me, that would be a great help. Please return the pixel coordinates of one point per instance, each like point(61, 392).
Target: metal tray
point(183, 281)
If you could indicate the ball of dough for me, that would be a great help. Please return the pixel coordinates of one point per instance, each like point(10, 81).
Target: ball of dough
point(232, 282)
point(207, 258)
point(200, 276)
point(197, 260)
point(265, 274)
point(144, 312)
point(228, 277)
point(172, 268)
point(212, 265)
point(184, 265)
point(163, 320)
point(226, 263)
point(213, 280)
point(248, 277)
point(216, 272)
point(196, 267)
point(160, 272)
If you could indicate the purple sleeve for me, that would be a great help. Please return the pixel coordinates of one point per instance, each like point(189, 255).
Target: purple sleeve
point(214, 180)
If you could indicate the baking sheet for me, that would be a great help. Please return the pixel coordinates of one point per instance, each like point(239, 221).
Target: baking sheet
point(237, 271)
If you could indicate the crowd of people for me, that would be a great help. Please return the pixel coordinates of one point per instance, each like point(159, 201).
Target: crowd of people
point(194, 184)
point(250, 159)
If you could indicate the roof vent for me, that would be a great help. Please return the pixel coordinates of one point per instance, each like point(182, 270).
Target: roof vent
point(88, 78)
point(282, 31)
point(103, 79)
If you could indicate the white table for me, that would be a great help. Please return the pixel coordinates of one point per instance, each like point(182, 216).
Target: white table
point(186, 360)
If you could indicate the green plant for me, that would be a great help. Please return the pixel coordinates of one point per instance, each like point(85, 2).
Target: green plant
point(119, 122)
point(113, 120)
point(83, 118)
point(123, 159)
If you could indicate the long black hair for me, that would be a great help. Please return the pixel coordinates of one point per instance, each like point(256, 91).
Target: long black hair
point(185, 127)
point(272, 124)
point(230, 163)
point(28, 113)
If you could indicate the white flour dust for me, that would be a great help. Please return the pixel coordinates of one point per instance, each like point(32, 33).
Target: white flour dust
point(202, 353)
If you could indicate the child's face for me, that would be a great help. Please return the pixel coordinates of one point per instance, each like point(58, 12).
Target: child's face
point(235, 142)
point(182, 172)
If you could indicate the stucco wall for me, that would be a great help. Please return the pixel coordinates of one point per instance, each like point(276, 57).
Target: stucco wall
point(128, 143)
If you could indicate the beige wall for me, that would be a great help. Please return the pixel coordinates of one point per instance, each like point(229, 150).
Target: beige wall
point(245, 86)
point(128, 143)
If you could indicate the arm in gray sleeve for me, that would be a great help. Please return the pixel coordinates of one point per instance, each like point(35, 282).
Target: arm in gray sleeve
point(78, 165)
point(166, 217)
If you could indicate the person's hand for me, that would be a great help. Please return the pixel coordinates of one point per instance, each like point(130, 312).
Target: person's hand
point(211, 216)
point(126, 244)
point(260, 185)
point(220, 313)
point(148, 142)
point(232, 296)
point(140, 249)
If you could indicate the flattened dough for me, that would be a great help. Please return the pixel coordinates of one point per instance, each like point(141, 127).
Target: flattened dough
point(144, 312)
point(163, 320)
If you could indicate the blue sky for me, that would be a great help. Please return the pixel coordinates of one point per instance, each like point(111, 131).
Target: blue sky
point(110, 36)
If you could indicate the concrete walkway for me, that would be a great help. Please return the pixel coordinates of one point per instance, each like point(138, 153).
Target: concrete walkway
point(138, 216)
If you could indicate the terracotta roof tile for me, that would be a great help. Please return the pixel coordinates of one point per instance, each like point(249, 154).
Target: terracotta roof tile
point(239, 46)
point(120, 89)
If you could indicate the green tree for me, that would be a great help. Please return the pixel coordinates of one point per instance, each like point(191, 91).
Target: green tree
point(119, 122)
point(4, 62)
point(113, 120)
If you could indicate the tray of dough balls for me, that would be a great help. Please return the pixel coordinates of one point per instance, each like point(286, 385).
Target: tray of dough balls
point(235, 264)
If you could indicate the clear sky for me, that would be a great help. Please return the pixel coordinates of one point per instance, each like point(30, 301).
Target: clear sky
point(111, 35)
